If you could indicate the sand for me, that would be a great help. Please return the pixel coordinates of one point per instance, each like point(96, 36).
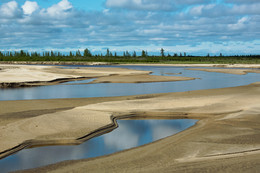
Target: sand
point(24, 75)
point(140, 79)
point(229, 71)
point(257, 66)
point(226, 138)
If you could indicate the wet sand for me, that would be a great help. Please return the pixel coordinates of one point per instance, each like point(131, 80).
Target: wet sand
point(225, 139)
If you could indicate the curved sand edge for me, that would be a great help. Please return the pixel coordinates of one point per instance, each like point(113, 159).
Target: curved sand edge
point(36, 143)
point(225, 139)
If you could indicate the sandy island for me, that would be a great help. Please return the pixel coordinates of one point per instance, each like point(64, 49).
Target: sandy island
point(225, 139)
point(12, 76)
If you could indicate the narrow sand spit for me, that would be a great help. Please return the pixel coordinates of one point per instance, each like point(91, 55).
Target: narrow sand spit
point(139, 79)
point(226, 139)
point(22, 75)
point(230, 71)
point(202, 65)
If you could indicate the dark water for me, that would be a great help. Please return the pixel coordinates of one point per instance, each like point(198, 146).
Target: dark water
point(207, 81)
point(129, 134)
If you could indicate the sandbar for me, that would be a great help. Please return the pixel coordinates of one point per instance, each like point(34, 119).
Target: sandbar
point(229, 71)
point(12, 76)
point(257, 66)
point(225, 139)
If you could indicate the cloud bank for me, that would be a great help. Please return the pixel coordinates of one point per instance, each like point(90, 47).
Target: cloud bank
point(193, 26)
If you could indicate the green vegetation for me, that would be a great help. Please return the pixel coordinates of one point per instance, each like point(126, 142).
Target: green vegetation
point(128, 57)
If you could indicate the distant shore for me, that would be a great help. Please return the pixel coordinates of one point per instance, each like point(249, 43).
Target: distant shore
point(177, 64)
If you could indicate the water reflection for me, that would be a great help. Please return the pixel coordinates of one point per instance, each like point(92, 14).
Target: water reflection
point(131, 133)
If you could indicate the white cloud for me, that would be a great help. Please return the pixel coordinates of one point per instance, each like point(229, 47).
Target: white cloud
point(10, 10)
point(242, 1)
point(148, 26)
point(241, 23)
point(60, 9)
point(29, 7)
point(152, 5)
point(246, 9)
point(141, 4)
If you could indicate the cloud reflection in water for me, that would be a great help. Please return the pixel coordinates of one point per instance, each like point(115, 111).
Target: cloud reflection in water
point(131, 133)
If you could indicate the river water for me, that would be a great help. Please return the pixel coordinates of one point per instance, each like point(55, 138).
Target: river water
point(131, 133)
point(206, 81)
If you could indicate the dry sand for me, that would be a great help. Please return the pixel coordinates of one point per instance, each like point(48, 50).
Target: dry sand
point(229, 71)
point(25, 75)
point(202, 65)
point(139, 79)
point(226, 139)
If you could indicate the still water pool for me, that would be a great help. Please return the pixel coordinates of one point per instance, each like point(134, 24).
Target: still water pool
point(129, 134)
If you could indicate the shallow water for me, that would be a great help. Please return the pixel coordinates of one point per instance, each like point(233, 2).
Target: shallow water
point(208, 80)
point(129, 134)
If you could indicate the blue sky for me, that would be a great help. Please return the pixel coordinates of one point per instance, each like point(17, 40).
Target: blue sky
point(197, 27)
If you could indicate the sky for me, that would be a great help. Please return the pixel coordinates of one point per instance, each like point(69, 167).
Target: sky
point(197, 27)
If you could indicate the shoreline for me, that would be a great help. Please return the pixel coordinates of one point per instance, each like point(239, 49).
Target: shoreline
point(235, 110)
point(227, 65)
point(53, 63)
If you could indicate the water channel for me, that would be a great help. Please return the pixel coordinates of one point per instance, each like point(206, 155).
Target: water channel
point(206, 80)
point(131, 133)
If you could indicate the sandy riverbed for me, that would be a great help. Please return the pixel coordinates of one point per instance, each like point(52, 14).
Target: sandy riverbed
point(227, 137)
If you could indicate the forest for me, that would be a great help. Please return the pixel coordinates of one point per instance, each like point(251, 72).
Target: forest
point(126, 57)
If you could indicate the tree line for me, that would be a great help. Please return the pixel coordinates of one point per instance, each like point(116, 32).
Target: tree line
point(126, 56)
point(78, 53)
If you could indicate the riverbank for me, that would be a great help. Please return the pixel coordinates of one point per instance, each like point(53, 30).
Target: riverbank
point(177, 64)
point(14, 76)
point(54, 63)
point(226, 138)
